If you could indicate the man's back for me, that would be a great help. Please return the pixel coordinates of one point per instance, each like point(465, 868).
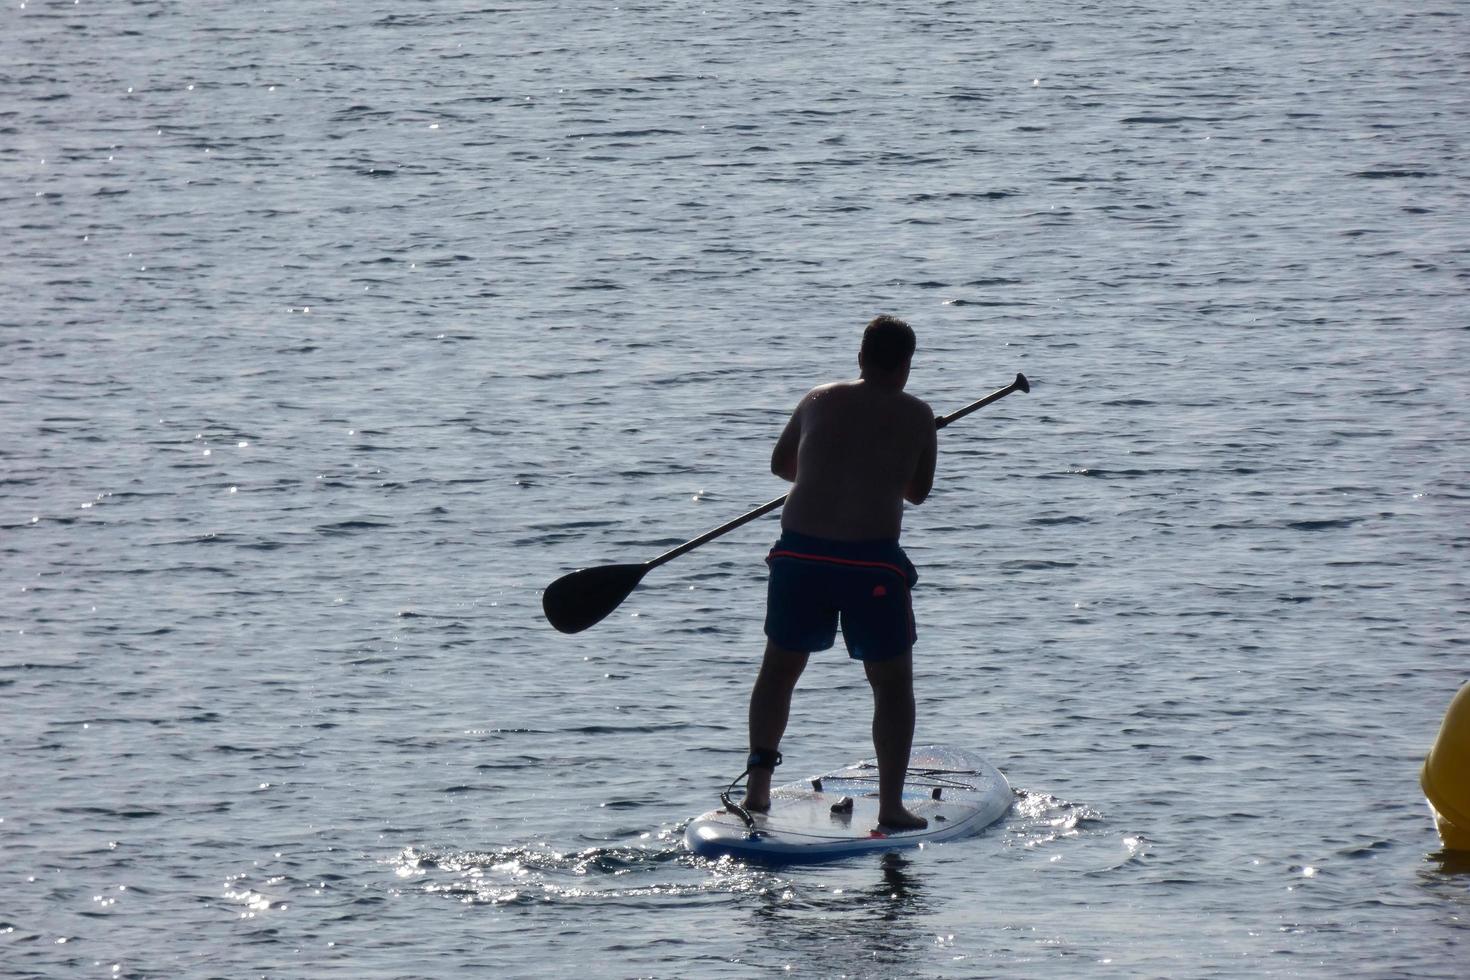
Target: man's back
point(855, 450)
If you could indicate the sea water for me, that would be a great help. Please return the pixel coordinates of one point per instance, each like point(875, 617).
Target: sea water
point(330, 333)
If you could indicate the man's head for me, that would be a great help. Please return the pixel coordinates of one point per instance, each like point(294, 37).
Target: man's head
point(888, 345)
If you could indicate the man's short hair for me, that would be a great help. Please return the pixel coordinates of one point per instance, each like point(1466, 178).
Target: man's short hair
point(888, 343)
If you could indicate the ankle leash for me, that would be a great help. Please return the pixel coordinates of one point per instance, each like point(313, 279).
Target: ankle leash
point(767, 759)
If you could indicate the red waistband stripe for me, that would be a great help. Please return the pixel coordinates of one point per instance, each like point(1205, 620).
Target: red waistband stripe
point(886, 566)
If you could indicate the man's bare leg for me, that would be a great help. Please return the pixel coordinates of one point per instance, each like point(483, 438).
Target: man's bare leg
point(893, 736)
point(770, 706)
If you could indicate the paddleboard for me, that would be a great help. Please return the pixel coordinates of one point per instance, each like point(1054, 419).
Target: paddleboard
point(960, 794)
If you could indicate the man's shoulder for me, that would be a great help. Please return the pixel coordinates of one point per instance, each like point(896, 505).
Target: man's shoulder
point(825, 391)
point(829, 386)
point(917, 407)
point(914, 401)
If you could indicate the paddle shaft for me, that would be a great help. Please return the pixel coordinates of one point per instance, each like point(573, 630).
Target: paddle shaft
point(1020, 384)
point(690, 545)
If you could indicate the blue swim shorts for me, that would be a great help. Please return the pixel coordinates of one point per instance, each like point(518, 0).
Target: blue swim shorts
point(815, 582)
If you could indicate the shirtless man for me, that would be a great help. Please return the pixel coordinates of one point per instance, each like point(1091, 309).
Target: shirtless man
point(855, 451)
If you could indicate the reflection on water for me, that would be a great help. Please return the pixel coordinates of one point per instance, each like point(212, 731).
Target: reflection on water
point(903, 889)
point(1453, 863)
point(848, 919)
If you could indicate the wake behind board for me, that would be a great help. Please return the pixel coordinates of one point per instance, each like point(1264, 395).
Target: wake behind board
point(960, 795)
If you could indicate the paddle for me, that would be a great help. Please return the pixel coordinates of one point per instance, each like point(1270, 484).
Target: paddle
point(582, 598)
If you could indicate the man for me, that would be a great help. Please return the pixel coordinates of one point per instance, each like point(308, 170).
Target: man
point(855, 451)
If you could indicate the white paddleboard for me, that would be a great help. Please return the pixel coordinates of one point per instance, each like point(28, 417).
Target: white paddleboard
point(960, 795)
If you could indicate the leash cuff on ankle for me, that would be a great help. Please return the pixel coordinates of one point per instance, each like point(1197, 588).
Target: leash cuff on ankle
point(763, 759)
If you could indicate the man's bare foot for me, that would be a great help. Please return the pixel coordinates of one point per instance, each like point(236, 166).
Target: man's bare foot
point(901, 820)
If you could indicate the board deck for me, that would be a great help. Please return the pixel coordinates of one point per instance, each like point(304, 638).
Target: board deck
point(802, 827)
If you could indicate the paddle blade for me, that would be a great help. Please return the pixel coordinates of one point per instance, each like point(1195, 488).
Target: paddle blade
point(584, 597)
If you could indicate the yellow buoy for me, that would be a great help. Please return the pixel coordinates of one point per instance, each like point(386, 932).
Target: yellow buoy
point(1446, 775)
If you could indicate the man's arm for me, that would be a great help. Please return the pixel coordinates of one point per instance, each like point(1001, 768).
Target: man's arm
point(783, 457)
point(923, 479)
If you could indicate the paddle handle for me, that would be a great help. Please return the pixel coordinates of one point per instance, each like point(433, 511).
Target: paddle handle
point(1020, 384)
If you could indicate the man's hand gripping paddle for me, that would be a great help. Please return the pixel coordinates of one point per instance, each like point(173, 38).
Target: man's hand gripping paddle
point(583, 598)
